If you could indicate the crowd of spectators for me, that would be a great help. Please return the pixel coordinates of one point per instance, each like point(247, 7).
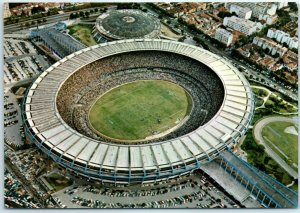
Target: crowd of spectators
point(83, 87)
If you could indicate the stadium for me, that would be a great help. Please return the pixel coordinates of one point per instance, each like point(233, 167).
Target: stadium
point(62, 109)
point(126, 24)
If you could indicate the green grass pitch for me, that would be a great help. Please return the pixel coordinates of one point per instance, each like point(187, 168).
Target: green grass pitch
point(285, 142)
point(140, 109)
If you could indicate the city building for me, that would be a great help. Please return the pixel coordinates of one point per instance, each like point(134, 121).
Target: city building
point(204, 22)
point(281, 4)
point(242, 12)
point(6, 11)
point(271, 45)
point(290, 60)
point(242, 25)
point(179, 9)
point(269, 19)
point(283, 37)
point(264, 8)
point(258, 8)
point(224, 36)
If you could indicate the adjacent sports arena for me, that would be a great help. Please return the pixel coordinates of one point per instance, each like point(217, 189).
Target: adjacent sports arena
point(138, 110)
point(126, 24)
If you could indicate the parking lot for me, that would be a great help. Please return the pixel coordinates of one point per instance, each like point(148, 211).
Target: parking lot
point(21, 60)
point(187, 192)
point(13, 130)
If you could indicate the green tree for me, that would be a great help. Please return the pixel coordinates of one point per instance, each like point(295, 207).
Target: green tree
point(87, 14)
point(224, 14)
point(267, 50)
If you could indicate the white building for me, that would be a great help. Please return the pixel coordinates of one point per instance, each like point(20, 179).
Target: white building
point(283, 37)
point(242, 12)
point(264, 8)
point(281, 4)
point(268, 18)
point(242, 25)
point(224, 36)
point(271, 45)
point(258, 8)
point(6, 11)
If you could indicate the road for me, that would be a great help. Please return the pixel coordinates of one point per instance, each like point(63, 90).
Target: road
point(259, 138)
point(250, 71)
point(50, 19)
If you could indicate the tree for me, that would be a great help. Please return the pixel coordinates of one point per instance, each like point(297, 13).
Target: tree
point(44, 20)
point(182, 39)
point(33, 23)
point(276, 55)
point(121, 6)
point(144, 10)
point(72, 16)
point(81, 13)
point(267, 50)
point(293, 6)
point(96, 10)
point(87, 14)
point(37, 10)
point(295, 50)
point(224, 14)
point(39, 21)
point(285, 44)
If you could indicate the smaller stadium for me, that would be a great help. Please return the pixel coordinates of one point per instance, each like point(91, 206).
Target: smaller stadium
point(126, 24)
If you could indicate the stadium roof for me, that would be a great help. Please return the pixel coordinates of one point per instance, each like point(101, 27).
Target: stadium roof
point(50, 130)
point(127, 24)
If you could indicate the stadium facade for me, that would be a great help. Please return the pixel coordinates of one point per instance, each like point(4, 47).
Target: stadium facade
point(47, 127)
point(126, 24)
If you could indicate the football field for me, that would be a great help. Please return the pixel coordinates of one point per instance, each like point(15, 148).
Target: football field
point(283, 139)
point(140, 109)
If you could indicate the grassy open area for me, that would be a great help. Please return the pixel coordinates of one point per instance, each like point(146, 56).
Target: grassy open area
point(57, 181)
point(83, 33)
point(257, 157)
point(278, 138)
point(256, 154)
point(140, 109)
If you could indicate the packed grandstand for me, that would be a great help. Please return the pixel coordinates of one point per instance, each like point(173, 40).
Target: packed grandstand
point(56, 106)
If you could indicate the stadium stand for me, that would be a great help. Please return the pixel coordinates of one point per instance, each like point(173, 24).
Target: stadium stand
point(48, 122)
point(60, 43)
